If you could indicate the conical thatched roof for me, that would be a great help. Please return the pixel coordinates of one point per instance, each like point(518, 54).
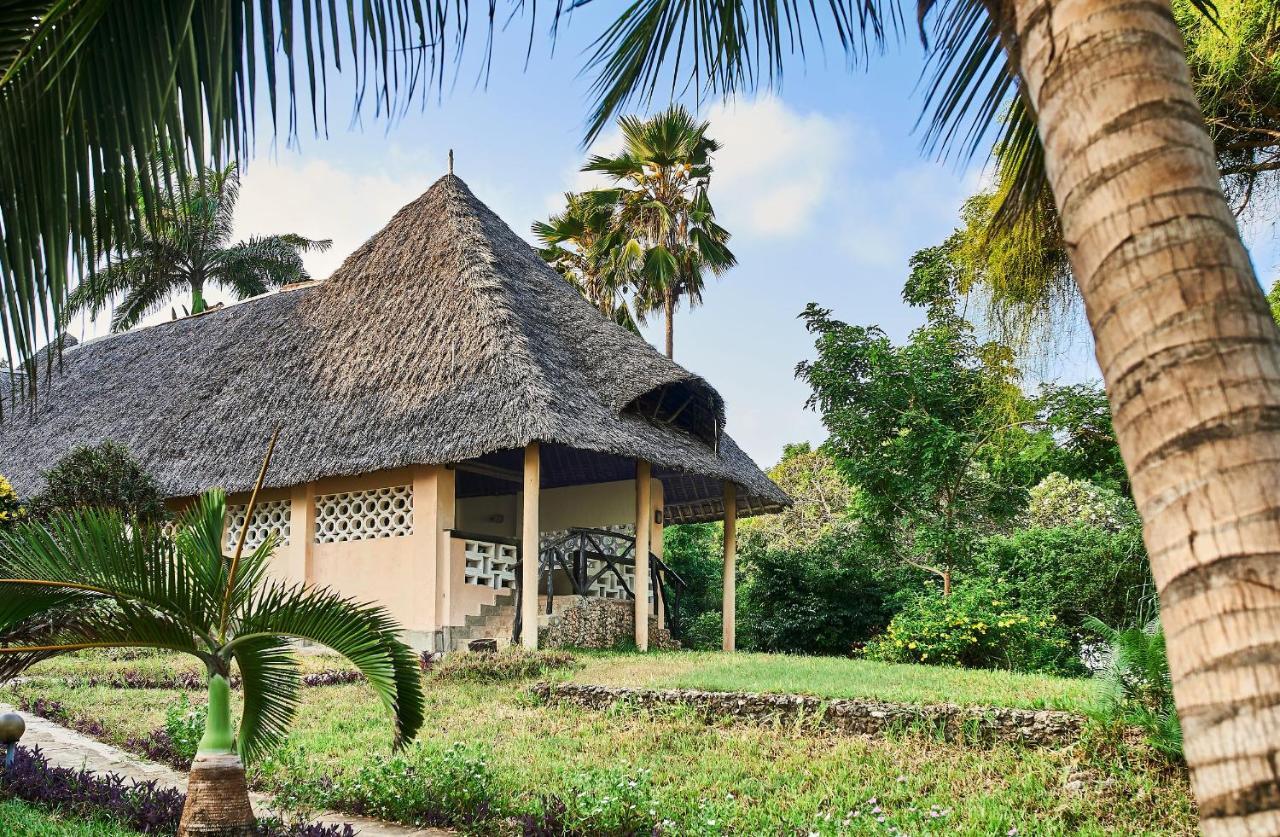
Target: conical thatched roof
point(443, 338)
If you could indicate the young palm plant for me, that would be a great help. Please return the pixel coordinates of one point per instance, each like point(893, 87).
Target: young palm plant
point(664, 236)
point(94, 579)
point(183, 247)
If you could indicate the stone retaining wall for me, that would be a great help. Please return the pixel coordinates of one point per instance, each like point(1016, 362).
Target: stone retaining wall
point(1037, 728)
point(589, 622)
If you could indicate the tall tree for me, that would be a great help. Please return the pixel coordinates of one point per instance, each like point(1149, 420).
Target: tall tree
point(576, 243)
point(185, 246)
point(665, 231)
point(1103, 100)
point(96, 579)
point(910, 425)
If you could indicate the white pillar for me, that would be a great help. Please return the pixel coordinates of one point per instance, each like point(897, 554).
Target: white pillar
point(644, 521)
point(730, 602)
point(530, 547)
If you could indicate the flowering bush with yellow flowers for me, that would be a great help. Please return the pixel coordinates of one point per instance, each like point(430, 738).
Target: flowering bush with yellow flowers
point(977, 626)
point(11, 508)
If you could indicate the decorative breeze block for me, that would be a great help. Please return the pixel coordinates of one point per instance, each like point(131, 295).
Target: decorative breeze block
point(267, 518)
point(490, 565)
point(361, 515)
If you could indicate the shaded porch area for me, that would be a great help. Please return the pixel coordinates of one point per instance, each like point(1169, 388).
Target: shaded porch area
point(598, 521)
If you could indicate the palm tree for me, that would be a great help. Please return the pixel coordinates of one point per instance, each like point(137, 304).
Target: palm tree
point(574, 243)
point(1101, 101)
point(184, 248)
point(94, 579)
point(665, 233)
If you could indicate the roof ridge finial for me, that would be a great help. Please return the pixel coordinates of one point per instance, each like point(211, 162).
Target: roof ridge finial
point(450, 161)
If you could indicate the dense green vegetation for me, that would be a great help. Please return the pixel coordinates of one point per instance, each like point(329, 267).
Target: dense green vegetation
point(950, 517)
point(105, 477)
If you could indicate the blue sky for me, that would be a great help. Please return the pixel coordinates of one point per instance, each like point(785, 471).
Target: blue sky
point(822, 183)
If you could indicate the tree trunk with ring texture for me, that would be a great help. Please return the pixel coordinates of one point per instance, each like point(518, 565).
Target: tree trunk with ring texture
point(669, 314)
point(217, 798)
point(1191, 360)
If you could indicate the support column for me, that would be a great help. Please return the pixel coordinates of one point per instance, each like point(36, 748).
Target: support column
point(644, 523)
point(730, 602)
point(530, 547)
point(302, 524)
point(444, 520)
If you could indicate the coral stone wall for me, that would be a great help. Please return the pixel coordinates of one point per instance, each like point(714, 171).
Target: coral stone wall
point(598, 623)
point(852, 717)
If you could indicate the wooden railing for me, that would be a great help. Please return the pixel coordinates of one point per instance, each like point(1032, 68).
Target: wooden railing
point(587, 557)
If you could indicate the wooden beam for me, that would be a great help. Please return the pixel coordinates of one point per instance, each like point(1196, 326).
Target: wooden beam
point(486, 470)
point(530, 547)
point(730, 601)
point(644, 520)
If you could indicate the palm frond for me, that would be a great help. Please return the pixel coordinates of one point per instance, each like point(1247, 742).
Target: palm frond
point(262, 263)
point(104, 554)
point(363, 633)
point(722, 47)
point(80, 625)
point(94, 96)
point(270, 681)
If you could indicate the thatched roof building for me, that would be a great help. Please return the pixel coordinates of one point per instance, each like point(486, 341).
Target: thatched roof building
point(444, 339)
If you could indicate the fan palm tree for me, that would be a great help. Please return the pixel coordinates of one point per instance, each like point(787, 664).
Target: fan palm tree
point(665, 234)
point(93, 579)
point(184, 247)
point(573, 242)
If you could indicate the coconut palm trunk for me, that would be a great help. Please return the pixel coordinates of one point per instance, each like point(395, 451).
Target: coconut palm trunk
point(1191, 360)
point(669, 313)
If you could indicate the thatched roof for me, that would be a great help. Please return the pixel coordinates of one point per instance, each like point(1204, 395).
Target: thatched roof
point(443, 338)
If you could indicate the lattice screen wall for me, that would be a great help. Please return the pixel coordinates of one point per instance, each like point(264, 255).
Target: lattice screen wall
point(267, 518)
point(490, 565)
point(361, 515)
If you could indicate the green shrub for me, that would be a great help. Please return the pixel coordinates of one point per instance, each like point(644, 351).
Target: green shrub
point(514, 663)
point(696, 552)
point(11, 508)
point(826, 599)
point(101, 477)
point(1073, 571)
point(1138, 689)
point(977, 626)
point(184, 724)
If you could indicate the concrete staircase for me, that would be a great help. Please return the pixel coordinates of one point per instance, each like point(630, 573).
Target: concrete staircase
point(497, 620)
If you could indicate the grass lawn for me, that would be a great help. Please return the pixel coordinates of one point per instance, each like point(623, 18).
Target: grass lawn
point(835, 677)
point(23, 820)
point(702, 779)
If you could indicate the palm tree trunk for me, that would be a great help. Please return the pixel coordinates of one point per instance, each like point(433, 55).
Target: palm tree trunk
point(669, 310)
point(1191, 360)
point(197, 297)
point(217, 792)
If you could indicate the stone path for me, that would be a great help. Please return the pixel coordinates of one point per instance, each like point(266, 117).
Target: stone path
point(67, 748)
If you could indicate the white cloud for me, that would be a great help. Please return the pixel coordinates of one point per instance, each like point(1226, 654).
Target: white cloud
point(776, 166)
